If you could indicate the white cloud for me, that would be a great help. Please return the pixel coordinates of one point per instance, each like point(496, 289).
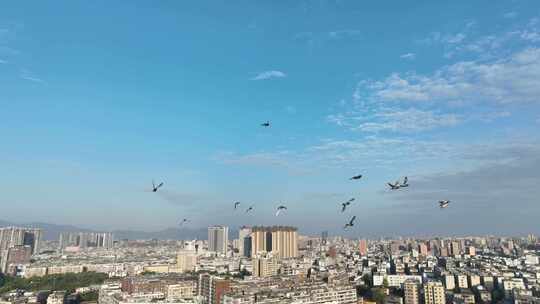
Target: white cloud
point(28, 75)
point(409, 120)
point(269, 75)
point(492, 116)
point(510, 80)
point(409, 56)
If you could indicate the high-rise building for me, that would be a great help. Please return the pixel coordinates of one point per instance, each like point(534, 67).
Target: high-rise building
point(281, 241)
point(411, 289)
point(455, 247)
point(265, 266)
point(243, 233)
point(324, 237)
point(422, 249)
point(247, 246)
point(471, 251)
point(434, 293)
point(212, 288)
point(14, 236)
point(449, 281)
point(363, 247)
point(186, 260)
point(85, 240)
point(218, 239)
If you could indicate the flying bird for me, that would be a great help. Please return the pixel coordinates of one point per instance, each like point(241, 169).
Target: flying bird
point(394, 186)
point(249, 209)
point(183, 221)
point(444, 203)
point(154, 187)
point(405, 182)
point(236, 205)
point(347, 203)
point(356, 177)
point(279, 209)
point(266, 124)
point(350, 223)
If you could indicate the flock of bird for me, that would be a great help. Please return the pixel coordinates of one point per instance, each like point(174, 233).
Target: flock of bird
point(281, 208)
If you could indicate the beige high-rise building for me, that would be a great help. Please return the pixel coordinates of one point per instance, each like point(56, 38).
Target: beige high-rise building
point(218, 239)
point(422, 249)
point(434, 293)
point(186, 261)
point(411, 290)
point(281, 241)
point(265, 266)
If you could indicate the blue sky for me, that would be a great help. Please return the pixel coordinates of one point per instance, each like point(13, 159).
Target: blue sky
point(97, 98)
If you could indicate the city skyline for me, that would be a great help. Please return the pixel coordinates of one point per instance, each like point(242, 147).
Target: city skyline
point(99, 101)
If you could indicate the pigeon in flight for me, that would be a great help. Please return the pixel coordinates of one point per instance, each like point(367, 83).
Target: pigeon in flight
point(397, 185)
point(236, 205)
point(347, 203)
point(249, 209)
point(154, 187)
point(350, 223)
point(394, 186)
point(405, 182)
point(444, 204)
point(266, 124)
point(356, 177)
point(279, 209)
point(183, 222)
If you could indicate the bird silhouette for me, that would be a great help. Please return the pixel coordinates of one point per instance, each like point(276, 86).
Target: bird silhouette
point(183, 222)
point(405, 182)
point(350, 223)
point(356, 177)
point(154, 187)
point(347, 203)
point(266, 124)
point(444, 204)
point(249, 209)
point(394, 186)
point(236, 205)
point(280, 208)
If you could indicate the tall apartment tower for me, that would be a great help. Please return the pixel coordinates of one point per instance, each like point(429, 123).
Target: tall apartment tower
point(434, 293)
point(265, 266)
point(86, 240)
point(281, 241)
point(243, 233)
point(363, 247)
point(423, 249)
point(186, 260)
point(411, 289)
point(14, 236)
point(212, 288)
point(11, 237)
point(218, 239)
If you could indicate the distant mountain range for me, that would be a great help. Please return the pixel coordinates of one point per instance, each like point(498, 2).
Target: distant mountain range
point(52, 232)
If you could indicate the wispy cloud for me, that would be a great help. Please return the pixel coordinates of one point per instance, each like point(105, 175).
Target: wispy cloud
point(408, 56)
point(409, 120)
point(513, 79)
point(30, 76)
point(3, 61)
point(269, 75)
